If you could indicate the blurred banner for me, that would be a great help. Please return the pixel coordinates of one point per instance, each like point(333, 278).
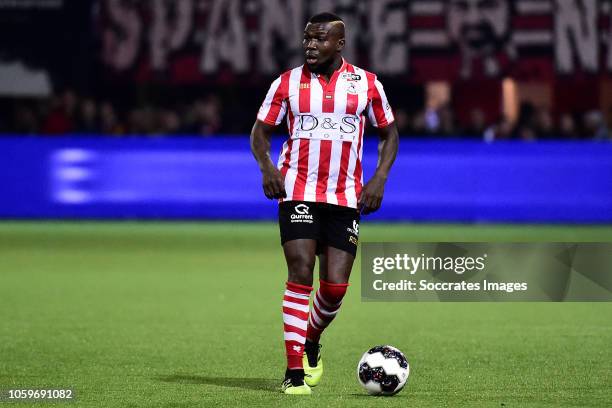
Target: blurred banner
point(187, 41)
point(217, 178)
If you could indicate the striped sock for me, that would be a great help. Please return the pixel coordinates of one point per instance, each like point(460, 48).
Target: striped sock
point(295, 318)
point(326, 304)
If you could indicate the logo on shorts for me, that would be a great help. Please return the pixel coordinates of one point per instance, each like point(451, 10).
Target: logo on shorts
point(352, 240)
point(355, 229)
point(301, 214)
point(301, 209)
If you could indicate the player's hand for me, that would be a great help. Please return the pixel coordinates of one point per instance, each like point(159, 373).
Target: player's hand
point(273, 183)
point(371, 195)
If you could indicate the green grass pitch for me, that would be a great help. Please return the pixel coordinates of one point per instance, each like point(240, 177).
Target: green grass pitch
point(188, 315)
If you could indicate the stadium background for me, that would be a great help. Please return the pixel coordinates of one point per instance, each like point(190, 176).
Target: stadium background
point(122, 119)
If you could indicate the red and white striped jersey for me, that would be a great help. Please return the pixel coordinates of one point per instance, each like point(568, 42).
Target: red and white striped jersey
point(321, 159)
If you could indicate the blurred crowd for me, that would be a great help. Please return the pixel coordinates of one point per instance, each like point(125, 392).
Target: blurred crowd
point(69, 113)
point(532, 124)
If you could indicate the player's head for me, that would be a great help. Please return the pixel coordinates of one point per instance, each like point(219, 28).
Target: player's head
point(323, 41)
point(481, 25)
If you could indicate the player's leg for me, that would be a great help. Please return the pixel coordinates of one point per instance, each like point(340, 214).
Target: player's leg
point(339, 234)
point(334, 272)
point(299, 246)
point(300, 257)
point(335, 264)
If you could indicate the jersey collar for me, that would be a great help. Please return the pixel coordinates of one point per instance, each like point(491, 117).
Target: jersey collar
point(334, 76)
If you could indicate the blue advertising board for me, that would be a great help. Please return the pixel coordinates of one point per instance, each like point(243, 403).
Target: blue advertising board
point(217, 178)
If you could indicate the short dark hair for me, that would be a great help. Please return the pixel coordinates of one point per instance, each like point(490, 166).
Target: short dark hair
point(324, 18)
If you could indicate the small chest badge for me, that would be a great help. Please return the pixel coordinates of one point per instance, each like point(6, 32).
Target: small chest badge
point(352, 88)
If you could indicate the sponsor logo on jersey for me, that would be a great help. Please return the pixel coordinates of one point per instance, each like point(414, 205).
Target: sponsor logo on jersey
point(302, 214)
point(327, 127)
point(350, 76)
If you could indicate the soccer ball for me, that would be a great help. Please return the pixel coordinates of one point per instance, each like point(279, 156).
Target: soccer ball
point(383, 370)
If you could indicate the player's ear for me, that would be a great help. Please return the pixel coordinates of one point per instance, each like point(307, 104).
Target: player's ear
point(340, 45)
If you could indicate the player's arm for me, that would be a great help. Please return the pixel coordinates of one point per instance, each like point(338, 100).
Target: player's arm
point(372, 193)
point(272, 179)
point(269, 116)
point(381, 117)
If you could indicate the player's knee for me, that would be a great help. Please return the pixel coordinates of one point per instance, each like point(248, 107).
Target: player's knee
point(333, 292)
point(300, 270)
point(301, 276)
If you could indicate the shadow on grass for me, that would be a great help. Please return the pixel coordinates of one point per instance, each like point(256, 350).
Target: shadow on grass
point(258, 384)
point(370, 397)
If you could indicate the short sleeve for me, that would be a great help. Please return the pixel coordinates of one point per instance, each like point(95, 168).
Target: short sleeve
point(274, 107)
point(379, 110)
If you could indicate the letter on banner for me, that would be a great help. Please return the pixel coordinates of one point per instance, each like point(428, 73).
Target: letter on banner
point(388, 51)
point(167, 36)
point(226, 40)
point(609, 65)
point(576, 35)
point(122, 38)
point(286, 19)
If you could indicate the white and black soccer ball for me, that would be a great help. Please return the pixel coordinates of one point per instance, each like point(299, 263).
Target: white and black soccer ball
point(383, 370)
